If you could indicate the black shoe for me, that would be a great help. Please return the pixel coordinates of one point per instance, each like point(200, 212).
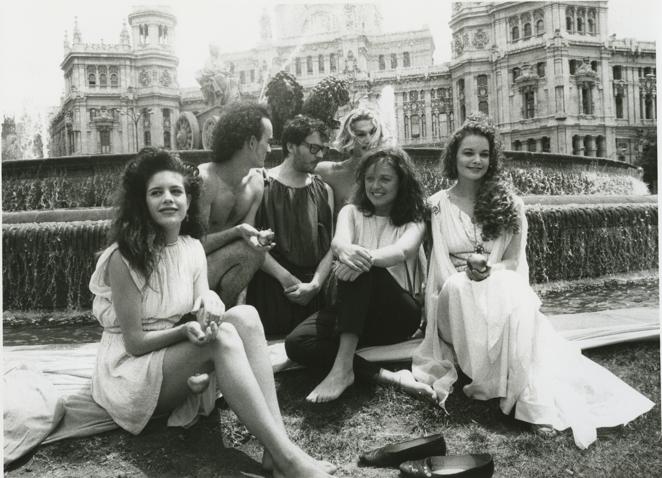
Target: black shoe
point(396, 453)
point(459, 466)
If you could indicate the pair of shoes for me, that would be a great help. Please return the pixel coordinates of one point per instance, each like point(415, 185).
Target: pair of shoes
point(394, 454)
point(459, 466)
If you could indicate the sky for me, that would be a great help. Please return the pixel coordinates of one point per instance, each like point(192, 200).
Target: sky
point(32, 34)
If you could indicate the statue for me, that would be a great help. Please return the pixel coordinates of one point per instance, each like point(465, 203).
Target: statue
point(218, 85)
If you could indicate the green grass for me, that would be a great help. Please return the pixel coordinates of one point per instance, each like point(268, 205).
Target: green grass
point(368, 416)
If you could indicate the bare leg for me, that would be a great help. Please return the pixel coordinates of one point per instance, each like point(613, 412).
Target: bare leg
point(341, 375)
point(231, 268)
point(247, 322)
point(242, 392)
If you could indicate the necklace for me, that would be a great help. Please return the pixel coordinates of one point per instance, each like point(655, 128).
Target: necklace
point(472, 232)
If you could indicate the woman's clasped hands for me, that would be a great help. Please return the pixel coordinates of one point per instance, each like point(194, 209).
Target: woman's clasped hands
point(208, 310)
point(353, 260)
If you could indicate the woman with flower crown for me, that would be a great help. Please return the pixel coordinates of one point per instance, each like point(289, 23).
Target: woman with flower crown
point(483, 315)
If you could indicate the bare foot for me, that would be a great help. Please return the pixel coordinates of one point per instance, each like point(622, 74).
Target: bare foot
point(198, 383)
point(415, 388)
point(325, 466)
point(332, 386)
point(304, 469)
point(544, 431)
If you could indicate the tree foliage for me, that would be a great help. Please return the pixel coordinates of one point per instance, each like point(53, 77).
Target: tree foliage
point(325, 98)
point(285, 97)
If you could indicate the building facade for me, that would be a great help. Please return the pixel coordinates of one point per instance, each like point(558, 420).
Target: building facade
point(548, 73)
point(119, 97)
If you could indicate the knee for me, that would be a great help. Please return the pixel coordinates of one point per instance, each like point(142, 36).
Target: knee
point(456, 282)
point(228, 337)
point(245, 320)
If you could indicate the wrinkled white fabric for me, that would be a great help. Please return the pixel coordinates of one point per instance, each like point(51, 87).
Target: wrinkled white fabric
point(127, 386)
point(32, 408)
point(495, 332)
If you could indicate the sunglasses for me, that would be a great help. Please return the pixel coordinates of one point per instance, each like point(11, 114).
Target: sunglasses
point(316, 148)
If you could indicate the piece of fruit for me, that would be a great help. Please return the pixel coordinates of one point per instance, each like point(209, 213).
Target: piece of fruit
point(477, 262)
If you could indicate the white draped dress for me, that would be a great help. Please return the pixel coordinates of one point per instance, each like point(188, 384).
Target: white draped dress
point(495, 332)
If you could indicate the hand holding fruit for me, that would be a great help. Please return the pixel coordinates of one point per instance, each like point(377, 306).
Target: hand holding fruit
point(477, 267)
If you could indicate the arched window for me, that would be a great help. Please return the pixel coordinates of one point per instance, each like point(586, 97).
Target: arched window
point(587, 107)
point(540, 69)
point(617, 72)
point(568, 24)
point(531, 145)
point(382, 62)
point(114, 83)
point(103, 81)
point(91, 80)
point(147, 138)
point(594, 65)
point(394, 60)
point(540, 27)
point(413, 95)
point(517, 145)
point(529, 105)
point(435, 126)
point(580, 25)
point(649, 106)
point(619, 106)
point(309, 65)
point(546, 146)
point(463, 113)
point(591, 26)
point(297, 66)
point(104, 141)
point(166, 140)
point(483, 108)
point(320, 63)
point(332, 62)
point(415, 126)
point(514, 33)
point(527, 30)
point(406, 126)
point(573, 66)
point(405, 59)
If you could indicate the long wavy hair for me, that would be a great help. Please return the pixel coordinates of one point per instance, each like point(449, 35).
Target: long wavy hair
point(409, 204)
point(139, 238)
point(495, 209)
point(346, 137)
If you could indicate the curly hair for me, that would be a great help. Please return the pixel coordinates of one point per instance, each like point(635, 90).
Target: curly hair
point(346, 138)
point(239, 122)
point(495, 209)
point(409, 204)
point(139, 238)
point(299, 128)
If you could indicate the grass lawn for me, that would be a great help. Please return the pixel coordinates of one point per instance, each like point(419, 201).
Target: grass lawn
point(368, 416)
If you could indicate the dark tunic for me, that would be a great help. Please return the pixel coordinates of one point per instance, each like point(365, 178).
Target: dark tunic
point(302, 222)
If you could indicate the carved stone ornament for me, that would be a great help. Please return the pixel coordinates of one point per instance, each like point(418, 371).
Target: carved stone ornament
point(480, 39)
point(459, 47)
point(165, 79)
point(144, 78)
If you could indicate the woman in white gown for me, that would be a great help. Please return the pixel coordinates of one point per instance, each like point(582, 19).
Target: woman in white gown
point(483, 315)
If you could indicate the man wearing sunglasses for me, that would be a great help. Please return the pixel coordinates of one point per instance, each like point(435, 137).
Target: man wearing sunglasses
point(297, 206)
point(361, 131)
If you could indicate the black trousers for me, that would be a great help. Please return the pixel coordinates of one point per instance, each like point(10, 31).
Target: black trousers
point(374, 307)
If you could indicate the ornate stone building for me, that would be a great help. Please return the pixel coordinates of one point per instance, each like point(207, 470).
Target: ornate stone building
point(119, 97)
point(548, 73)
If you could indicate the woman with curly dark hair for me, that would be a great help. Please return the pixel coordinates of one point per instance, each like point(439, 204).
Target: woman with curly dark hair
point(483, 315)
point(378, 244)
point(153, 273)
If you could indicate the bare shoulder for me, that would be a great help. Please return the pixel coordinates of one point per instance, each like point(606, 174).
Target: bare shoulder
point(255, 182)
